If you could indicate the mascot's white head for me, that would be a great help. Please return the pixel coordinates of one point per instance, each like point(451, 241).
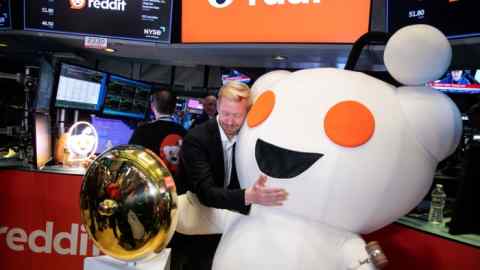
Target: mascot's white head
point(352, 151)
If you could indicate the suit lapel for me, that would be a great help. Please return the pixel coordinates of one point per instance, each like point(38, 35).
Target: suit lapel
point(217, 151)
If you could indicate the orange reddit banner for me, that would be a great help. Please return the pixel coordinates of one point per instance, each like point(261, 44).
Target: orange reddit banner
point(293, 21)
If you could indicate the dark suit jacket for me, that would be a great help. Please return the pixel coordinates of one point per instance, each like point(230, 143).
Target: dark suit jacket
point(202, 170)
point(202, 118)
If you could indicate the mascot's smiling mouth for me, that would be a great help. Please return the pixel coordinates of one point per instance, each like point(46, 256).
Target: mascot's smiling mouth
point(282, 163)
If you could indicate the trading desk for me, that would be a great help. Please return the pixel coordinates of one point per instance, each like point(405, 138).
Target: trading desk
point(40, 229)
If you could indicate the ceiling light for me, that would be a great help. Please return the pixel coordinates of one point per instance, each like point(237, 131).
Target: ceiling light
point(279, 58)
point(110, 50)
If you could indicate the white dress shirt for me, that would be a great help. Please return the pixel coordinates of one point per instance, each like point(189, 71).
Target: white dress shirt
point(227, 146)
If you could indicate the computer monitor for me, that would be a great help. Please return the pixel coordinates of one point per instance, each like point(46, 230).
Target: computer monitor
point(234, 75)
point(5, 15)
point(460, 81)
point(111, 132)
point(43, 140)
point(80, 88)
point(180, 104)
point(194, 105)
point(454, 18)
point(136, 20)
point(126, 98)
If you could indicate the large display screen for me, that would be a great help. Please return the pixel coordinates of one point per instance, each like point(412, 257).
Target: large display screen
point(455, 18)
point(131, 19)
point(80, 88)
point(126, 98)
point(325, 21)
point(5, 19)
point(459, 82)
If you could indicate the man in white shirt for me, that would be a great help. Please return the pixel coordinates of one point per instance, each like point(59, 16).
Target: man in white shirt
point(207, 166)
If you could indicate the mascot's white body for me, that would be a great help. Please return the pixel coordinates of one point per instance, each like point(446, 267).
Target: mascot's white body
point(347, 187)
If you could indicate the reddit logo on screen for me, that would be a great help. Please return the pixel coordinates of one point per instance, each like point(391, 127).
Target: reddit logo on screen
point(77, 4)
point(220, 3)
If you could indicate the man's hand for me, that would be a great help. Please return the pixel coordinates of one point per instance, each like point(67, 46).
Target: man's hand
point(259, 193)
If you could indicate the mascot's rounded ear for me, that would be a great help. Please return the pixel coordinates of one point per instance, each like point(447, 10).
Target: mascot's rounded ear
point(417, 54)
point(433, 119)
point(266, 82)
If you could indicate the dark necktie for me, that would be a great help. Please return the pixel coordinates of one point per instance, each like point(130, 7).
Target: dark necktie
point(234, 184)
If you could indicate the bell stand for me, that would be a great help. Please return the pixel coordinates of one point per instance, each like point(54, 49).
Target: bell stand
point(156, 261)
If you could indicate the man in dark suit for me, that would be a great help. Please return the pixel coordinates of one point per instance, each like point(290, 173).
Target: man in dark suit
point(162, 136)
point(209, 103)
point(208, 170)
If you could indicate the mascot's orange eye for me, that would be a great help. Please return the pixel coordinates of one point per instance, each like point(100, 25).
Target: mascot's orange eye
point(261, 109)
point(349, 124)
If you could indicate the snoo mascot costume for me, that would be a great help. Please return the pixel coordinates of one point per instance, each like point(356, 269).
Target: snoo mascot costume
point(354, 153)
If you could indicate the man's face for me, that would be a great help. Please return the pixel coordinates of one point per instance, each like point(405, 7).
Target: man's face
point(210, 105)
point(456, 75)
point(231, 115)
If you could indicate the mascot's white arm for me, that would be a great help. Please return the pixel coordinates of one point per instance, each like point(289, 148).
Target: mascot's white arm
point(195, 218)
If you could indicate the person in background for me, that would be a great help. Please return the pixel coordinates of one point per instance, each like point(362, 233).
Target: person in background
point(209, 110)
point(163, 136)
point(456, 77)
point(207, 167)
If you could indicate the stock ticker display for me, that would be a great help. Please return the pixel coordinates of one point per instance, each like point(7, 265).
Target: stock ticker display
point(126, 98)
point(148, 20)
point(455, 18)
point(80, 88)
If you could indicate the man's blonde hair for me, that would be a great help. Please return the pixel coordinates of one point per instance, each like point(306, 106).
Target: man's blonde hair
point(235, 91)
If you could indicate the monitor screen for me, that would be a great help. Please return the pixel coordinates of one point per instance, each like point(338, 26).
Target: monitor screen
point(180, 104)
point(111, 132)
point(194, 104)
point(234, 75)
point(459, 82)
point(455, 18)
point(295, 21)
point(43, 140)
point(45, 87)
point(126, 98)
point(80, 88)
point(5, 19)
point(138, 20)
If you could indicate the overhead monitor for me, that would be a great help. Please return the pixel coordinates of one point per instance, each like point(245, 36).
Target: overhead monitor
point(111, 132)
point(126, 98)
point(5, 15)
point(455, 18)
point(312, 21)
point(148, 20)
point(43, 140)
point(80, 88)
point(459, 82)
point(234, 75)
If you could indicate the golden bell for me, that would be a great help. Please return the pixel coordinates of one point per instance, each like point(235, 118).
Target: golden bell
point(128, 203)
